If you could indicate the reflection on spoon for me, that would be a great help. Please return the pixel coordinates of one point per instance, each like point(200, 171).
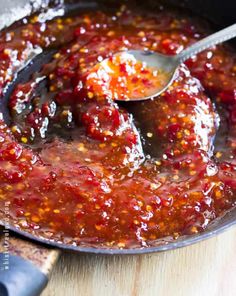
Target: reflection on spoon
point(140, 75)
point(123, 77)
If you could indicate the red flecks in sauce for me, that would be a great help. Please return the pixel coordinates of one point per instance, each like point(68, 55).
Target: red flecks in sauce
point(122, 77)
point(78, 168)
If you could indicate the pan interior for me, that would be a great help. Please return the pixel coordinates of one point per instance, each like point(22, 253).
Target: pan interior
point(168, 243)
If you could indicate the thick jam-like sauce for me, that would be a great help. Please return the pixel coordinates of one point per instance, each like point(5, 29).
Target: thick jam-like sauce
point(79, 168)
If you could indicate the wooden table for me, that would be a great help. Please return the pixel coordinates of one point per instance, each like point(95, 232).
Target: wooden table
point(205, 269)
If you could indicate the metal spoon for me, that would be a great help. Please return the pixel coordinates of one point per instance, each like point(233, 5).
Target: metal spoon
point(169, 64)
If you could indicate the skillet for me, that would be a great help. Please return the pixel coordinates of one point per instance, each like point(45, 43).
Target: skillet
point(26, 279)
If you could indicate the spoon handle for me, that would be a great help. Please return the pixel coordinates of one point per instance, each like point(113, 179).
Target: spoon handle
point(214, 39)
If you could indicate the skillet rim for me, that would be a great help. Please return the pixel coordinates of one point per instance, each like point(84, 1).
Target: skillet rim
point(214, 228)
point(183, 241)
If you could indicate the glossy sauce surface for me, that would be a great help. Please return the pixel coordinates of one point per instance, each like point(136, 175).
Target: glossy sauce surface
point(122, 77)
point(78, 168)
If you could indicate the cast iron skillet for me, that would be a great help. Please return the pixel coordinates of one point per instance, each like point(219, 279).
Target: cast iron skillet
point(12, 282)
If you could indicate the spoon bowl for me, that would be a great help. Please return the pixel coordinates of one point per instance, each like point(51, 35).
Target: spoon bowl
point(168, 64)
point(155, 60)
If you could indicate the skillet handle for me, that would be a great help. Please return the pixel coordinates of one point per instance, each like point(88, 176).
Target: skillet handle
point(19, 277)
point(24, 266)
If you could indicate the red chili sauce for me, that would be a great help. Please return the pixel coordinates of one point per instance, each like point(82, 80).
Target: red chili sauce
point(79, 168)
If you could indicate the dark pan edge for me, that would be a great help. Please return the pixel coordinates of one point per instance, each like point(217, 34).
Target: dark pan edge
point(220, 226)
point(164, 244)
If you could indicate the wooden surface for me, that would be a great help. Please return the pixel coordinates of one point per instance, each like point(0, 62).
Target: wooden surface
point(44, 258)
point(205, 269)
